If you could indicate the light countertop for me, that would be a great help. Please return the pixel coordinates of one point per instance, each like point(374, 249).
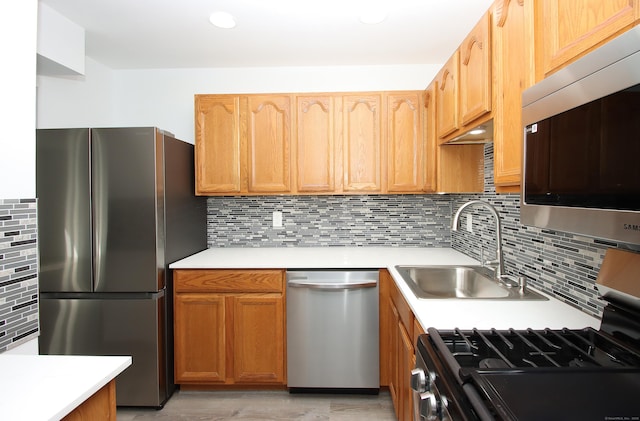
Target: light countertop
point(48, 387)
point(319, 258)
point(438, 313)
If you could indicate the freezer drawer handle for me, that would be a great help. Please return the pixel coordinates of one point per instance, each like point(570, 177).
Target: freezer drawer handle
point(337, 285)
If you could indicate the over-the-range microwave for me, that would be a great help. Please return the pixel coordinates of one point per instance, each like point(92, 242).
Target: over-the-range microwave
point(581, 166)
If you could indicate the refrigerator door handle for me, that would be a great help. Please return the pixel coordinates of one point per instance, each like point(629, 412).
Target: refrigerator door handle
point(100, 200)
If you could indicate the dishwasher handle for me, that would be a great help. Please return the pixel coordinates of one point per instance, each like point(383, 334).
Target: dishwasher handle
point(301, 283)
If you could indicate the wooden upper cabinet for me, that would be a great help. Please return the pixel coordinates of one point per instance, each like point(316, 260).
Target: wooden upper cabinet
point(217, 144)
point(361, 130)
point(404, 142)
point(316, 143)
point(321, 143)
point(475, 72)
point(567, 29)
point(430, 144)
point(513, 67)
point(268, 143)
point(461, 168)
point(447, 97)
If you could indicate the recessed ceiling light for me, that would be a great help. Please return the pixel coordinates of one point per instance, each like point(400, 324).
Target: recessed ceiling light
point(222, 20)
point(373, 16)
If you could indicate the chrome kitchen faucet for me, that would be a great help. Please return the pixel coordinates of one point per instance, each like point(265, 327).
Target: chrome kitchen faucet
point(499, 262)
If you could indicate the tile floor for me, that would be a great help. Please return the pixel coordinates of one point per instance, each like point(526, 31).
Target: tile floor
point(266, 405)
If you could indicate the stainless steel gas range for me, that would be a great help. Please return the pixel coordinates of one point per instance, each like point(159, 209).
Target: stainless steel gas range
point(539, 374)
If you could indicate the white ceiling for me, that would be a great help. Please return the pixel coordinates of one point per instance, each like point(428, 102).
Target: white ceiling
point(139, 34)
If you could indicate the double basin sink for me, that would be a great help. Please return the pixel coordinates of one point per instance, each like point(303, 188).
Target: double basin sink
point(463, 282)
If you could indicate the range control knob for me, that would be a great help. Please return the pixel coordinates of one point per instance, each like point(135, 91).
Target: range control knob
point(418, 380)
point(429, 406)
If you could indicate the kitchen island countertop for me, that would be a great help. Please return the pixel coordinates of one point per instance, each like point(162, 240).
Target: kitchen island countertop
point(438, 313)
point(49, 387)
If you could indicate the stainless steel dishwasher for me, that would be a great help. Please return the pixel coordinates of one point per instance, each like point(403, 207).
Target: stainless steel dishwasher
point(332, 331)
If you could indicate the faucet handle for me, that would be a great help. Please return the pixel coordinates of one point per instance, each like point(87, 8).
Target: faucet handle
point(522, 283)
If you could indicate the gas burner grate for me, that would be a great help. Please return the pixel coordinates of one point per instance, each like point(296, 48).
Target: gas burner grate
point(537, 348)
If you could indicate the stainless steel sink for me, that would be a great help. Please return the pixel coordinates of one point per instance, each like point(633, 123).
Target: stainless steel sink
point(461, 282)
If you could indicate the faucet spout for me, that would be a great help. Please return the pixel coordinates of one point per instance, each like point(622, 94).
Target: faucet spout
point(499, 254)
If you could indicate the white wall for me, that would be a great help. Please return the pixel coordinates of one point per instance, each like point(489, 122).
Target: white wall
point(77, 101)
point(18, 24)
point(164, 98)
point(60, 43)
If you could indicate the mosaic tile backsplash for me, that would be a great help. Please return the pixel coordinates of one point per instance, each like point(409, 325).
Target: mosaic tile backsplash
point(408, 221)
point(18, 272)
point(560, 264)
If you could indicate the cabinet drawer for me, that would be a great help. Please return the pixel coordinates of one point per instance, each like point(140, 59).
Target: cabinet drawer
point(227, 280)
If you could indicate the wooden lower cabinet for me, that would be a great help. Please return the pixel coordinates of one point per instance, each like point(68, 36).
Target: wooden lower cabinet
point(200, 351)
point(392, 363)
point(230, 330)
point(225, 334)
point(99, 406)
point(405, 359)
point(397, 325)
point(258, 339)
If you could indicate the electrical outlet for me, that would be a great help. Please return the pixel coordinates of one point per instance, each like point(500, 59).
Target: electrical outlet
point(470, 222)
point(277, 219)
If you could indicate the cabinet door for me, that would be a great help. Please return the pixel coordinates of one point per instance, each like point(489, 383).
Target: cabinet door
point(315, 141)
point(258, 331)
point(567, 29)
point(361, 130)
point(405, 364)
point(475, 72)
point(200, 338)
point(217, 144)
point(385, 327)
point(404, 142)
point(394, 359)
point(430, 141)
point(513, 74)
point(447, 97)
point(402, 354)
point(268, 121)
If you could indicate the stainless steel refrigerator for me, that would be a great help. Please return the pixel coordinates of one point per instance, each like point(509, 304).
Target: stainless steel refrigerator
point(116, 206)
